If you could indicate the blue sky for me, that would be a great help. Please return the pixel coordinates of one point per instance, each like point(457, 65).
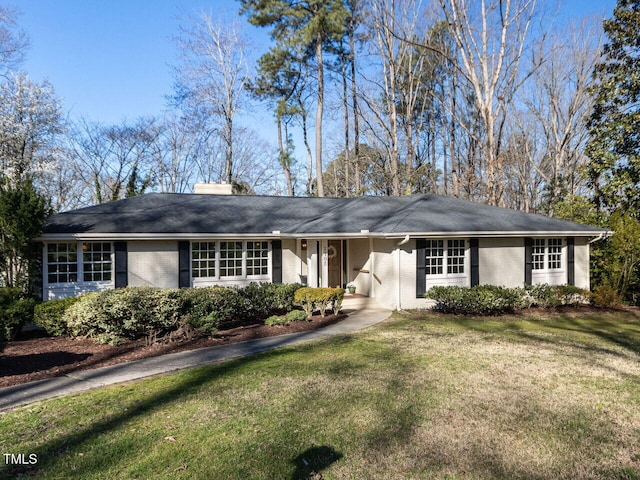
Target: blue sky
point(109, 60)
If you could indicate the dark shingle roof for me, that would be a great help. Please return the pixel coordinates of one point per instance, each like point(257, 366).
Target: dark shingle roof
point(166, 213)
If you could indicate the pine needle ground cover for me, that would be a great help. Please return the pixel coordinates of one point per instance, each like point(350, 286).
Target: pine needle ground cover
point(419, 396)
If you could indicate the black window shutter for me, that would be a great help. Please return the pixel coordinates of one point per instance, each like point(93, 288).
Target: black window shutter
point(276, 263)
point(571, 266)
point(475, 262)
point(421, 271)
point(528, 260)
point(121, 270)
point(184, 272)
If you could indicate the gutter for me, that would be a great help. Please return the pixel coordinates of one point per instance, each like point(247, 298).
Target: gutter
point(280, 235)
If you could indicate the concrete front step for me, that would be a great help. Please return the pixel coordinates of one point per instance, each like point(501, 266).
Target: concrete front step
point(359, 302)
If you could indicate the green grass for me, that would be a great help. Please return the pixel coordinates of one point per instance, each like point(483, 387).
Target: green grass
point(419, 396)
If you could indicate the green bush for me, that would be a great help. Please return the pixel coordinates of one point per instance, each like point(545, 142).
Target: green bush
point(264, 299)
point(113, 316)
point(605, 296)
point(551, 296)
point(212, 308)
point(50, 315)
point(15, 310)
point(311, 299)
point(479, 300)
point(296, 316)
point(276, 320)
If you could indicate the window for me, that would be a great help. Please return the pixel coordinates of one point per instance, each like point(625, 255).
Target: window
point(96, 262)
point(455, 256)
point(65, 265)
point(547, 254)
point(554, 250)
point(62, 262)
point(230, 259)
point(538, 253)
point(203, 259)
point(257, 258)
point(437, 256)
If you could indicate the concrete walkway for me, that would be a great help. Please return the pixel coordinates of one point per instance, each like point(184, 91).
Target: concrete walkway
point(15, 396)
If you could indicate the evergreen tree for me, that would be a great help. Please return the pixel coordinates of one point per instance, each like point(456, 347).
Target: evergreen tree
point(22, 213)
point(614, 127)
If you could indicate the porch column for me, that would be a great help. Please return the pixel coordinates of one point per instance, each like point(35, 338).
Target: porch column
point(312, 262)
point(324, 263)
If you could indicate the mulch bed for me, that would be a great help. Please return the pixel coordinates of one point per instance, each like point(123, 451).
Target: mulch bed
point(35, 357)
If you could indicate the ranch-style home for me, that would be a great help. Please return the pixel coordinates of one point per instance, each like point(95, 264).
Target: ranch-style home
point(391, 248)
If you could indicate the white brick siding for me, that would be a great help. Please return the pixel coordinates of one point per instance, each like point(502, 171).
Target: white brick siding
point(153, 263)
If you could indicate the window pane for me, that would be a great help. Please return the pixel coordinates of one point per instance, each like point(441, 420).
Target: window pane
point(434, 253)
point(96, 262)
point(61, 259)
point(257, 258)
point(203, 259)
point(554, 253)
point(230, 259)
point(538, 253)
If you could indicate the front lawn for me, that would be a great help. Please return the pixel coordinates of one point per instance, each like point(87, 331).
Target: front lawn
point(419, 396)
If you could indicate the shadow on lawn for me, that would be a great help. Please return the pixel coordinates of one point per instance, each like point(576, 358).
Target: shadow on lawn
point(184, 386)
point(312, 461)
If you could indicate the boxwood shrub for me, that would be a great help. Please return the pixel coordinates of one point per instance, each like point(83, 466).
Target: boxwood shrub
point(493, 300)
point(113, 316)
point(312, 299)
point(50, 315)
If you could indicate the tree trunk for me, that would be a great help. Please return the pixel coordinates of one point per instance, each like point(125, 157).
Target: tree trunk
point(319, 112)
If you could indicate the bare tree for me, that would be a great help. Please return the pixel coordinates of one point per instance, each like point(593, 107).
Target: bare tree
point(491, 37)
point(558, 97)
point(212, 75)
point(13, 41)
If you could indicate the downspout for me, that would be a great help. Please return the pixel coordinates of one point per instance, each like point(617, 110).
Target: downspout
point(400, 243)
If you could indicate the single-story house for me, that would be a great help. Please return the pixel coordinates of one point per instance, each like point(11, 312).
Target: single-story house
point(390, 248)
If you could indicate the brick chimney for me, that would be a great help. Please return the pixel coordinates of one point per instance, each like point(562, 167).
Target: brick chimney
point(213, 188)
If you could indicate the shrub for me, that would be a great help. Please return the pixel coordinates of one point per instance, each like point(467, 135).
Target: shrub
point(551, 296)
point(276, 320)
point(16, 310)
point(212, 308)
point(264, 299)
point(50, 315)
point(296, 316)
point(311, 299)
point(605, 296)
point(479, 300)
point(113, 316)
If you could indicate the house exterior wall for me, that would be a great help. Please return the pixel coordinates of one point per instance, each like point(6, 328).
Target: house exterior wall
point(291, 264)
point(153, 263)
point(501, 261)
point(581, 259)
point(359, 266)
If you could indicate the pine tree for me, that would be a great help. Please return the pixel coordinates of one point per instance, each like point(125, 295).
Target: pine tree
point(614, 147)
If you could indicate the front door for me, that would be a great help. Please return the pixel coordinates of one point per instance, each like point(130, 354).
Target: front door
point(334, 254)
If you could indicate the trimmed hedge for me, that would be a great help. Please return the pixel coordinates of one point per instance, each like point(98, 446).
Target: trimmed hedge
point(50, 315)
point(312, 299)
point(493, 300)
point(114, 316)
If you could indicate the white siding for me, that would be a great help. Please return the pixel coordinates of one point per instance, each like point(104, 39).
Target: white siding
point(359, 265)
point(153, 263)
point(581, 259)
point(291, 265)
point(501, 261)
point(384, 272)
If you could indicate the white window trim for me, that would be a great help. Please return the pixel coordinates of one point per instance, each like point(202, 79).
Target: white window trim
point(546, 256)
point(467, 261)
point(71, 289)
point(218, 279)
